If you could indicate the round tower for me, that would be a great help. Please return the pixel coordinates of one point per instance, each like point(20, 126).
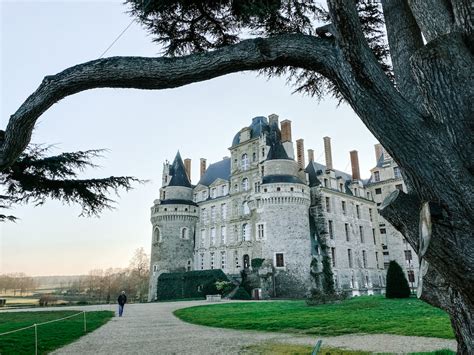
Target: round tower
point(285, 201)
point(173, 219)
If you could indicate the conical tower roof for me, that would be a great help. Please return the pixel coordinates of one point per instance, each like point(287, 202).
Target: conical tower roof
point(178, 173)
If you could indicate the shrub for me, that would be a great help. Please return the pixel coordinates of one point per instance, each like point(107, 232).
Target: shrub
point(318, 297)
point(224, 287)
point(47, 299)
point(257, 262)
point(397, 284)
point(241, 294)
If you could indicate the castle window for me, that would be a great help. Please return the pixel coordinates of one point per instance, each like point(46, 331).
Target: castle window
point(358, 211)
point(377, 258)
point(368, 195)
point(336, 280)
point(330, 230)
point(213, 213)
point(184, 233)
point(246, 261)
point(204, 216)
point(333, 256)
point(265, 190)
point(223, 260)
point(155, 269)
point(245, 162)
point(366, 281)
point(223, 211)
point(260, 231)
point(164, 195)
point(203, 237)
point(236, 258)
point(361, 233)
point(203, 195)
point(292, 189)
point(201, 256)
point(214, 192)
point(223, 234)
point(236, 187)
point(356, 192)
point(263, 170)
point(396, 172)
point(213, 236)
point(373, 235)
point(346, 227)
point(245, 184)
point(383, 231)
point(328, 204)
point(376, 176)
point(278, 189)
point(378, 191)
point(341, 187)
point(245, 208)
point(212, 260)
point(257, 187)
point(245, 232)
point(370, 214)
point(263, 152)
point(344, 209)
point(254, 157)
point(188, 267)
point(352, 280)
point(349, 257)
point(279, 260)
point(157, 234)
point(364, 258)
point(326, 183)
point(408, 256)
point(399, 187)
point(411, 276)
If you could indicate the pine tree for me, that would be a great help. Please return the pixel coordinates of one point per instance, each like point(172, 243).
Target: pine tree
point(397, 284)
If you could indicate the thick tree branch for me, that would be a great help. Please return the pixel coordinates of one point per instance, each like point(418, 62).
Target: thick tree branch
point(161, 73)
point(404, 38)
point(435, 17)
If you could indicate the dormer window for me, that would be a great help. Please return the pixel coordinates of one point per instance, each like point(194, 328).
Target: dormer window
point(214, 192)
point(376, 176)
point(203, 195)
point(245, 162)
point(396, 172)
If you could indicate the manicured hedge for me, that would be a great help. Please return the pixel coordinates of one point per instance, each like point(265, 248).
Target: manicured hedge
point(190, 284)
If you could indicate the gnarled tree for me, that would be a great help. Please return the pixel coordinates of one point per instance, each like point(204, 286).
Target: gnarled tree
point(422, 115)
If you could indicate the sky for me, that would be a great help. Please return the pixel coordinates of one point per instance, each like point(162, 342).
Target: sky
point(140, 129)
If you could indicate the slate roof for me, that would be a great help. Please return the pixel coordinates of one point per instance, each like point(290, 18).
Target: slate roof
point(270, 179)
point(178, 173)
point(219, 170)
point(258, 126)
point(315, 169)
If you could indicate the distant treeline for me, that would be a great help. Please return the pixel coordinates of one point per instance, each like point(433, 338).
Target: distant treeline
point(17, 283)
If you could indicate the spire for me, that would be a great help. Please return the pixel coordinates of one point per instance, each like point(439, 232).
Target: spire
point(178, 173)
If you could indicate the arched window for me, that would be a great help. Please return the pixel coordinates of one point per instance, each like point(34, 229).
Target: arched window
point(157, 235)
point(184, 233)
point(245, 162)
point(245, 184)
point(246, 261)
point(245, 232)
point(245, 208)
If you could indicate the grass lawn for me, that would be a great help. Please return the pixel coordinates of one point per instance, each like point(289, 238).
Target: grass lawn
point(369, 314)
point(50, 336)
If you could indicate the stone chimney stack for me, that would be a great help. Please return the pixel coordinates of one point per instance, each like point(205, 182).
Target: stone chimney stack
point(328, 153)
point(300, 153)
point(355, 165)
point(378, 152)
point(310, 155)
point(272, 119)
point(187, 167)
point(202, 166)
point(286, 131)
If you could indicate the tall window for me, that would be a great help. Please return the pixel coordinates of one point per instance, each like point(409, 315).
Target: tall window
point(361, 233)
point(408, 256)
point(223, 190)
point(245, 162)
point(245, 208)
point(331, 230)
point(254, 157)
point(223, 211)
point(257, 187)
point(155, 268)
point(377, 258)
point(203, 237)
point(358, 211)
point(213, 192)
point(203, 195)
point(202, 260)
point(213, 236)
point(370, 214)
point(349, 257)
point(245, 184)
point(328, 204)
point(223, 234)
point(344, 208)
point(245, 232)
point(261, 231)
point(184, 233)
point(346, 228)
point(396, 172)
point(279, 260)
point(223, 260)
point(373, 235)
point(213, 213)
point(212, 260)
point(341, 187)
point(333, 256)
point(326, 183)
point(376, 176)
point(246, 261)
point(411, 276)
point(204, 216)
point(353, 284)
point(236, 259)
point(364, 258)
point(157, 234)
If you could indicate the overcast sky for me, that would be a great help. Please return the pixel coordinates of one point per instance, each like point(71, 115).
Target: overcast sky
point(139, 128)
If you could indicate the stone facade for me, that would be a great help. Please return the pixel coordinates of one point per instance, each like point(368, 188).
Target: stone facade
point(260, 204)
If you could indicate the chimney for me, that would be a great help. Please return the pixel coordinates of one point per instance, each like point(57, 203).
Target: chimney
point(355, 165)
point(286, 131)
point(310, 155)
point(378, 152)
point(327, 152)
point(273, 119)
point(202, 166)
point(187, 167)
point(300, 153)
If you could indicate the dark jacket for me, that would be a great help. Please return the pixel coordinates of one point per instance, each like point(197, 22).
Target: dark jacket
point(122, 299)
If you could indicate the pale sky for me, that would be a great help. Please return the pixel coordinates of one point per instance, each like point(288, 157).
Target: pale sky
point(139, 128)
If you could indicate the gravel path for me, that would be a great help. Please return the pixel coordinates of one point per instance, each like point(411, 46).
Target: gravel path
point(153, 329)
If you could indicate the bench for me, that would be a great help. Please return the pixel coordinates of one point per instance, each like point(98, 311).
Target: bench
point(213, 298)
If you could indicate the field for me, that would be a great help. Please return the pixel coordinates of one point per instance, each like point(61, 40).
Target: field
point(370, 314)
point(50, 336)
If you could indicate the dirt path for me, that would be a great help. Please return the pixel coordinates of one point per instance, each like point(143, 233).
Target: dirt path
point(153, 329)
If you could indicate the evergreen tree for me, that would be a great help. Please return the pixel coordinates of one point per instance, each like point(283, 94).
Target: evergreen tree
point(397, 284)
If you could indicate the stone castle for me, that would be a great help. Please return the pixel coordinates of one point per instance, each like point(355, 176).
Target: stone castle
point(263, 203)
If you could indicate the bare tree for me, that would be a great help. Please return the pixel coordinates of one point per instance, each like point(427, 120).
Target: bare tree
point(423, 117)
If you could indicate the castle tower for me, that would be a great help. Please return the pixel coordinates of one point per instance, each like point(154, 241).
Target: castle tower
point(285, 201)
point(173, 218)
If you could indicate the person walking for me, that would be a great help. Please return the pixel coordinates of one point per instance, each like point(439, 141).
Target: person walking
point(122, 299)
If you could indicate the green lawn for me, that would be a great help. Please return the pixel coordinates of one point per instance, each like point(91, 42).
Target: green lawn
point(50, 336)
point(369, 314)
